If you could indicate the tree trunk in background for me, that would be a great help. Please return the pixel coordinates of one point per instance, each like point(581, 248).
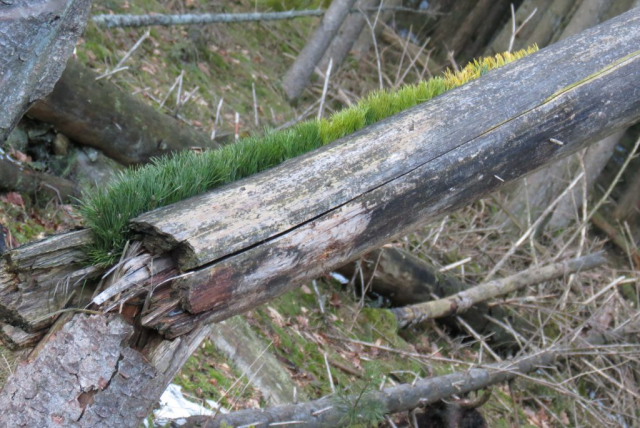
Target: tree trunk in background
point(347, 36)
point(469, 30)
point(362, 46)
point(485, 29)
point(298, 76)
point(451, 22)
point(501, 41)
point(552, 19)
point(545, 185)
point(101, 115)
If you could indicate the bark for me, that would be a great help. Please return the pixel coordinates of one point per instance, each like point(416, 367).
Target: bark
point(243, 257)
point(540, 189)
point(89, 376)
point(100, 115)
point(346, 37)
point(37, 37)
point(297, 77)
point(463, 301)
point(333, 412)
point(21, 178)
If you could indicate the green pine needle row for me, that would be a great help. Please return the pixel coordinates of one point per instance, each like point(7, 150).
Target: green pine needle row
point(108, 210)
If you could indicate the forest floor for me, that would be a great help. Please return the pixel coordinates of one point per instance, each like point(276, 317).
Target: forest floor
point(332, 338)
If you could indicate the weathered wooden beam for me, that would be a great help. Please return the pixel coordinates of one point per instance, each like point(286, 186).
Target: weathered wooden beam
point(36, 38)
point(257, 238)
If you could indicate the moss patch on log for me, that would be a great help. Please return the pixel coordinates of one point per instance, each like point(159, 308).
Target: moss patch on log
point(170, 179)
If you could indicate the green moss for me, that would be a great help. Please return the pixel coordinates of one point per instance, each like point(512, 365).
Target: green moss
point(167, 180)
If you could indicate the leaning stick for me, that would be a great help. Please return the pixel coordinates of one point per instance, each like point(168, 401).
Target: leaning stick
point(462, 301)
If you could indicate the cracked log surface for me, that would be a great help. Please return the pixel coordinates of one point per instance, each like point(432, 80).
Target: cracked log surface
point(257, 238)
point(36, 39)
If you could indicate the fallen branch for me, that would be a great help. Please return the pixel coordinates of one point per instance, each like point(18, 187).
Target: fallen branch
point(332, 411)
point(464, 300)
point(112, 21)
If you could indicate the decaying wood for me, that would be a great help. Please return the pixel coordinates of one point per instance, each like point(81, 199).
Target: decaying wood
point(21, 178)
point(331, 411)
point(464, 300)
point(98, 379)
point(101, 115)
point(297, 77)
point(37, 37)
point(444, 154)
point(39, 278)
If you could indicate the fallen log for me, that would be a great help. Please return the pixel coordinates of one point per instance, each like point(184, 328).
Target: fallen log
point(245, 242)
point(15, 176)
point(318, 211)
point(100, 115)
point(464, 300)
point(332, 411)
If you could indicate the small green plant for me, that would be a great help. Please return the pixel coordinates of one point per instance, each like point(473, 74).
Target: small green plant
point(169, 179)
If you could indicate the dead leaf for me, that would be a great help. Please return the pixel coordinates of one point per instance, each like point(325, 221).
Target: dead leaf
point(14, 198)
point(276, 317)
point(305, 289)
point(335, 300)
